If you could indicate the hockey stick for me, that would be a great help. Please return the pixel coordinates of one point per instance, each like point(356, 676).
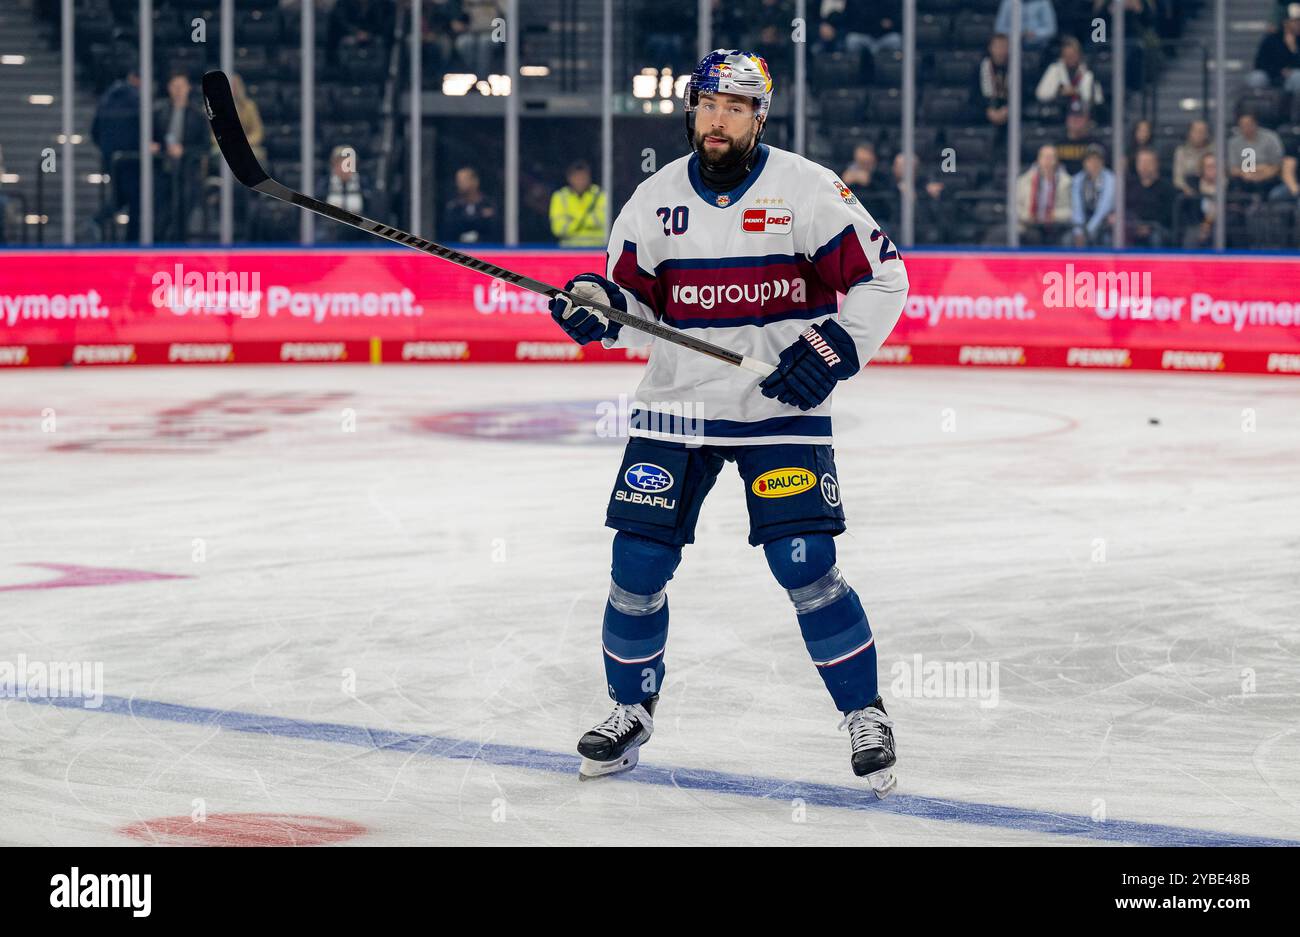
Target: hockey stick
point(239, 155)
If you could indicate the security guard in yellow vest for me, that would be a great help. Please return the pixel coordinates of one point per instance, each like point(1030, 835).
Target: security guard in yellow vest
point(578, 210)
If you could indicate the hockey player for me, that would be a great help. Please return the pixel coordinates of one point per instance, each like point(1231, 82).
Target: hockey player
point(747, 246)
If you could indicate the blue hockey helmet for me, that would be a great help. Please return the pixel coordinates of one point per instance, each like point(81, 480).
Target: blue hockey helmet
point(730, 71)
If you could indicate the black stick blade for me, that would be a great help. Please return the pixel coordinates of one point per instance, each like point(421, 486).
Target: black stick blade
point(224, 118)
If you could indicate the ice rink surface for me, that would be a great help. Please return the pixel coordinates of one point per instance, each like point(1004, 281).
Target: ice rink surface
point(370, 599)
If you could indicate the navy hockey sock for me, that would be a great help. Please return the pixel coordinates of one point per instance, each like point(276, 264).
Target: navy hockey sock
point(834, 625)
point(636, 616)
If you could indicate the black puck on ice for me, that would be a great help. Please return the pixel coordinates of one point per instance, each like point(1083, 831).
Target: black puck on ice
point(1154, 421)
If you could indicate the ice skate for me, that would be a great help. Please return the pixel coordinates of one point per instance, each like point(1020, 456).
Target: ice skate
point(614, 746)
point(871, 732)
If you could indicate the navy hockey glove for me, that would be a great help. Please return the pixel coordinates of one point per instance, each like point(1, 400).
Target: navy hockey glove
point(582, 323)
point(808, 370)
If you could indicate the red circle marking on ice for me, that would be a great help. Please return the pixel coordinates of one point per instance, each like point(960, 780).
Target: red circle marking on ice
point(244, 829)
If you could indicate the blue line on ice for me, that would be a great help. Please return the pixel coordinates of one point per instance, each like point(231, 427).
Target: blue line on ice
point(718, 782)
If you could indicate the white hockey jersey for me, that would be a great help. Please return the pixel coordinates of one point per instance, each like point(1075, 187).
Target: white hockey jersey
point(748, 270)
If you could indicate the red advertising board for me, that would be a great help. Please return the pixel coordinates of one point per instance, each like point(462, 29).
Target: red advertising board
point(1172, 312)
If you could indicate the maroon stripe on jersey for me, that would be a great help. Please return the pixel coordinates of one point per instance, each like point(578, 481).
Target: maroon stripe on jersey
point(629, 275)
point(745, 290)
point(842, 262)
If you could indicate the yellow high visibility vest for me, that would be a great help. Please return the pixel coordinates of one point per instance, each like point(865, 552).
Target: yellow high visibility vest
point(578, 220)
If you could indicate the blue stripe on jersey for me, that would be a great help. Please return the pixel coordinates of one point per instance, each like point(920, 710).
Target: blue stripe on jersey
point(708, 195)
point(727, 263)
point(831, 244)
point(704, 322)
point(673, 425)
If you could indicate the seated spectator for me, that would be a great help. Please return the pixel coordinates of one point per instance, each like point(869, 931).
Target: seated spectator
point(1143, 136)
point(578, 209)
point(1277, 63)
point(343, 189)
point(1080, 133)
point(358, 23)
point(1092, 197)
point(930, 209)
point(180, 138)
point(472, 216)
point(1254, 157)
point(1140, 18)
point(1139, 139)
point(1069, 79)
point(250, 117)
point(828, 41)
point(1037, 22)
point(1288, 190)
point(992, 80)
point(1187, 158)
point(1198, 210)
point(436, 36)
point(474, 41)
point(874, 26)
point(1149, 206)
point(861, 175)
point(1043, 208)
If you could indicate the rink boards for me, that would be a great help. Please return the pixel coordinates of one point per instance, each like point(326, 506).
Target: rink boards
point(1125, 311)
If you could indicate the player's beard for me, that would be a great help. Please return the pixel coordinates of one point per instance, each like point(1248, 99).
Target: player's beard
point(737, 149)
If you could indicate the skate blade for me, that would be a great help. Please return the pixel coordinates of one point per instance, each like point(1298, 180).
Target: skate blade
point(882, 782)
point(590, 770)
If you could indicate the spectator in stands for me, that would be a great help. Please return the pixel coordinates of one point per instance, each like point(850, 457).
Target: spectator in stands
point(1198, 210)
point(475, 43)
point(1277, 63)
point(930, 208)
point(116, 130)
point(1149, 206)
point(1139, 138)
point(355, 23)
point(933, 214)
point(1140, 18)
point(250, 117)
point(828, 41)
point(1143, 136)
point(874, 25)
point(181, 139)
point(1037, 22)
point(578, 209)
point(992, 80)
point(1069, 79)
point(1043, 206)
point(1080, 133)
point(472, 216)
point(1092, 196)
point(436, 36)
point(1288, 190)
point(1187, 158)
point(1254, 157)
point(343, 189)
point(861, 175)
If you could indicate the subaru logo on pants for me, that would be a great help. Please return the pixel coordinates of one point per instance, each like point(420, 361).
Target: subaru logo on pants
point(646, 476)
